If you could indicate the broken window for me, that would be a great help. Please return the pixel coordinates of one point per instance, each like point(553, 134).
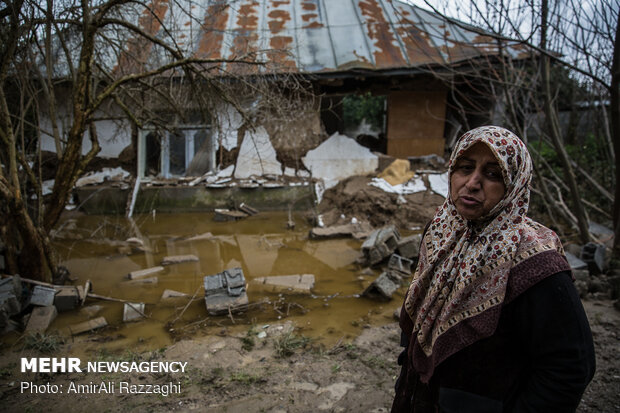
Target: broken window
point(184, 151)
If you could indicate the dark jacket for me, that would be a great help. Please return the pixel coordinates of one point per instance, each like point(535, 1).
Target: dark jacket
point(540, 359)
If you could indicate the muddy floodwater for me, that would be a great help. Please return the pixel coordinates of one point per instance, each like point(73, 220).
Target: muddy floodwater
point(94, 248)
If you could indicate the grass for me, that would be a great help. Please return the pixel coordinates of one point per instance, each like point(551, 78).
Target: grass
point(245, 378)
point(248, 342)
point(44, 343)
point(286, 344)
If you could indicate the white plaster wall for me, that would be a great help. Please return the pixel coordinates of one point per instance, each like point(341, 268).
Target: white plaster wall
point(114, 135)
point(229, 122)
point(340, 157)
point(257, 156)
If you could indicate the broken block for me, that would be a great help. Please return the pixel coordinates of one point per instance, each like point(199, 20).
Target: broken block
point(225, 292)
point(9, 303)
point(303, 283)
point(89, 325)
point(168, 294)
point(67, 298)
point(40, 319)
point(91, 310)
point(409, 247)
point(400, 264)
point(42, 296)
point(383, 287)
point(133, 311)
point(380, 244)
point(134, 275)
point(222, 215)
point(177, 259)
point(247, 209)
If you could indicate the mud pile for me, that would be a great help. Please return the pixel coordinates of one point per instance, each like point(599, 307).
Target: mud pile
point(355, 198)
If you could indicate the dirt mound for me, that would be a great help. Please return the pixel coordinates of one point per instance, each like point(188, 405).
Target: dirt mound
point(354, 197)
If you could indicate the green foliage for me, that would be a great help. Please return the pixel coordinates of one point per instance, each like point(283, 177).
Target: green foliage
point(358, 107)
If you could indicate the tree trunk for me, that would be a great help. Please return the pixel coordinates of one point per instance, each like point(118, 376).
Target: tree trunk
point(555, 133)
point(615, 132)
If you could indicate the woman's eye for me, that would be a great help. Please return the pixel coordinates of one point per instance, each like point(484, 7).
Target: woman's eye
point(495, 175)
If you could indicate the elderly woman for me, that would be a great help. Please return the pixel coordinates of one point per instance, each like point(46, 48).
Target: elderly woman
point(491, 321)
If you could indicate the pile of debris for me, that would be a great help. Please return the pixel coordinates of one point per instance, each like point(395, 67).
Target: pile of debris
point(401, 254)
point(590, 263)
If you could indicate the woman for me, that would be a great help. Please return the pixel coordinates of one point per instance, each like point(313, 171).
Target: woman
point(491, 321)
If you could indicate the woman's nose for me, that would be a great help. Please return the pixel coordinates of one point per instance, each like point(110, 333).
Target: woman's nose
point(473, 183)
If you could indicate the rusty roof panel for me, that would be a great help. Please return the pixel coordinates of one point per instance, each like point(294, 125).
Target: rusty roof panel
point(306, 36)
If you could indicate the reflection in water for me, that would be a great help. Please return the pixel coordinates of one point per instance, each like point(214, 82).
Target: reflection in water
point(260, 245)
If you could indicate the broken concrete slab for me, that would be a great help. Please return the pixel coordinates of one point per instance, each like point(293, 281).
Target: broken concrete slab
point(168, 294)
point(42, 296)
point(409, 247)
point(200, 237)
point(257, 156)
point(91, 310)
point(383, 287)
point(177, 259)
point(303, 283)
point(67, 298)
point(380, 244)
point(133, 311)
point(223, 215)
point(148, 280)
point(574, 262)
point(225, 292)
point(89, 325)
point(358, 231)
point(134, 275)
point(338, 158)
point(40, 319)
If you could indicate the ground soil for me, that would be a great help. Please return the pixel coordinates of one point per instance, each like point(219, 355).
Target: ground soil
point(241, 372)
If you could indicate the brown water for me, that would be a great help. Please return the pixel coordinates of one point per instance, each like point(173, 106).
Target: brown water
point(261, 245)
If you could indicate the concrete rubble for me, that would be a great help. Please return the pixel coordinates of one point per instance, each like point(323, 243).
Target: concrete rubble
point(302, 284)
point(225, 292)
point(380, 244)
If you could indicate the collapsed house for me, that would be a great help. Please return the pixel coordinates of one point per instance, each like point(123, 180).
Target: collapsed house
point(384, 49)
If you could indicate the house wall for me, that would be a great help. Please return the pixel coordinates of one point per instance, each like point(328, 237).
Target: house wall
point(114, 132)
point(415, 124)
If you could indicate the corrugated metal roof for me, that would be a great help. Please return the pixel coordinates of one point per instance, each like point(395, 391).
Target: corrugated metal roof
point(307, 36)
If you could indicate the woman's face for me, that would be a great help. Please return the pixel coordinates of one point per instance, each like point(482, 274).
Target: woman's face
point(476, 183)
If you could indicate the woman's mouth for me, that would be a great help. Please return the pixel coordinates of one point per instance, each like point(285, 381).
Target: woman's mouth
point(469, 201)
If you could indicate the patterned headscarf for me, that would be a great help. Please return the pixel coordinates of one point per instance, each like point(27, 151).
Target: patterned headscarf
point(464, 265)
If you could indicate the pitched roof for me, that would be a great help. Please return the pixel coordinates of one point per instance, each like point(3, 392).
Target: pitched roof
point(306, 36)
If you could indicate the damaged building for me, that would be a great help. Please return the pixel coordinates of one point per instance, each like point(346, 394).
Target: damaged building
point(402, 58)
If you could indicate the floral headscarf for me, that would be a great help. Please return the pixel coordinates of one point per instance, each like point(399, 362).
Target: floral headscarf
point(464, 266)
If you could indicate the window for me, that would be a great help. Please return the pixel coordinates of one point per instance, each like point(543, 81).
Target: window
point(184, 151)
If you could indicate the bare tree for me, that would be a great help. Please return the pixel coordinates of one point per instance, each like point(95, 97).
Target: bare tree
point(83, 60)
point(534, 46)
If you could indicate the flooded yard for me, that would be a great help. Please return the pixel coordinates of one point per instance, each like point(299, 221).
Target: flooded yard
point(94, 248)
